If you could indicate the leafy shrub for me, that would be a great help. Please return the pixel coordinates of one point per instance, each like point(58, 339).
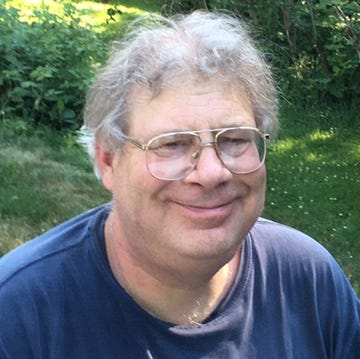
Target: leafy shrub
point(46, 65)
point(314, 45)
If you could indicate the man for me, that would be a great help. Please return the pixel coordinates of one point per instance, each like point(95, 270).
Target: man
point(179, 265)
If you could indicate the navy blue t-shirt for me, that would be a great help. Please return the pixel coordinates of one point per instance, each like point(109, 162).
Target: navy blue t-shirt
point(59, 299)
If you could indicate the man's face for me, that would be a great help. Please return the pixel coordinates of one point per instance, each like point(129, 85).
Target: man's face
point(204, 216)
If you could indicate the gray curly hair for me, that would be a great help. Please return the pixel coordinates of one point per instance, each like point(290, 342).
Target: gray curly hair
point(157, 52)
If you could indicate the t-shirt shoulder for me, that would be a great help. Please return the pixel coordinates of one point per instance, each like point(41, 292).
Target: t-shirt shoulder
point(266, 229)
point(288, 244)
point(57, 241)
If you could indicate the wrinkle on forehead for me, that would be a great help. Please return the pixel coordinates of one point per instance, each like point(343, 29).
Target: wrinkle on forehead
point(189, 106)
point(192, 87)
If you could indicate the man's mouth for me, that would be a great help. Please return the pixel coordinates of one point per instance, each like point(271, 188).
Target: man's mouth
point(214, 213)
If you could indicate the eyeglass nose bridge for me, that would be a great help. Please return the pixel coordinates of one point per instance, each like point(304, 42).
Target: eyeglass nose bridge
point(196, 155)
point(208, 144)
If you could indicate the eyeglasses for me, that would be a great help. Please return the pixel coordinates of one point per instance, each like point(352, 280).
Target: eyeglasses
point(172, 156)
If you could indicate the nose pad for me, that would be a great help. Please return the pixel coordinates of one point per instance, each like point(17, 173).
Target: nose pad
point(195, 156)
point(208, 169)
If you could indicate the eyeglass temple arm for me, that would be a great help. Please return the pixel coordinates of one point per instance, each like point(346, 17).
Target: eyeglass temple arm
point(134, 142)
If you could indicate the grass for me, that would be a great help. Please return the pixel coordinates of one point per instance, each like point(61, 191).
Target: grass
point(314, 180)
point(92, 12)
point(44, 179)
point(313, 185)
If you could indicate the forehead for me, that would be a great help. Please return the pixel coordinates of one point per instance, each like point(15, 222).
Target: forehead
point(192, 106)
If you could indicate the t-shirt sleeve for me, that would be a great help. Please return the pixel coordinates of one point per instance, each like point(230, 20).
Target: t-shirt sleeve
point(314, 287)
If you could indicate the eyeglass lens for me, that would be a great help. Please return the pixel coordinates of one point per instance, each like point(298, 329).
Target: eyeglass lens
point(174, 156)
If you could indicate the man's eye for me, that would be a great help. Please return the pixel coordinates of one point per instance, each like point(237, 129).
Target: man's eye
point(174, 145)
point(172, 148)
point(234, 146)
point(233, 141)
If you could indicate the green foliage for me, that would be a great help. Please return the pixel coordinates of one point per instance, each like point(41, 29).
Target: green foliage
point(46, 65)
point(47, 59)
point(314, 45)
point(184, 6)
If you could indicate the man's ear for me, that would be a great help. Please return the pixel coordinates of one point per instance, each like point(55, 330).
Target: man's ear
point(105, 161)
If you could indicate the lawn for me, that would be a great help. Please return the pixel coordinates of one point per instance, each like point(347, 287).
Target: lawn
point(314, 185)
point(45, 178)
point(93, 12)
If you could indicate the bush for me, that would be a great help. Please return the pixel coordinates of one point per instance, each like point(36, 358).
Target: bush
point(314, 45)
point(46, 65)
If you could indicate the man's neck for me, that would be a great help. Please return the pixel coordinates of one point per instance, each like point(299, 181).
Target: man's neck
point(185, 300)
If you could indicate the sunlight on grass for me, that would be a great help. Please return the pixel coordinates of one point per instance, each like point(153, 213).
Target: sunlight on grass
point(284, 145)
point(26, 8)
point(356, 150)
point(321, 135)
point(313, 147)
point(313, 185)
point(91, 12)
point(17, 155)
point(95, 11)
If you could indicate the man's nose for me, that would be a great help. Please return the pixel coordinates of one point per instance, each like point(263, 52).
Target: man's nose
point(209, 169)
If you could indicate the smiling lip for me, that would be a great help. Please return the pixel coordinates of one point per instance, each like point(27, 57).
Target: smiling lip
point(216, 213)
point(204, 208)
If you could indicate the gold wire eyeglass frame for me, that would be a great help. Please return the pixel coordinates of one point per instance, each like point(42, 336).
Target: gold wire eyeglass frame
point(196, 155)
